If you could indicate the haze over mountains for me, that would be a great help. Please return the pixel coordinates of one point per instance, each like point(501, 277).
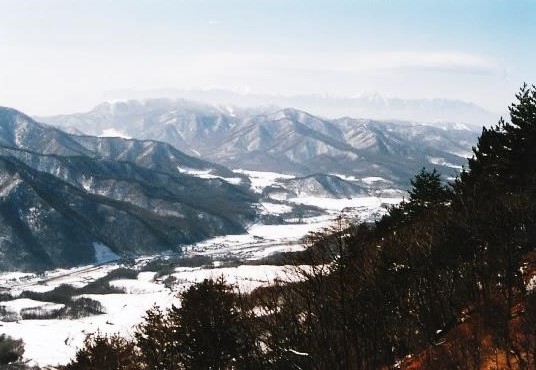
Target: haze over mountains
point(368, 105)
point(282, 140)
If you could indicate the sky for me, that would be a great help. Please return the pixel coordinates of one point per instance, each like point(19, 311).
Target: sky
point(65, 56)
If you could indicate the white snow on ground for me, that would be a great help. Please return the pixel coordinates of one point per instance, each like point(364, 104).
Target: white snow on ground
point(52, 342)
point(274, 208)
point(4, 192)
point(443, 162)
point(260, 179)
point(464, 154)
point(365, 205)
point(345, 177)
point(207, 174)
point(39, 288)
point(194, 172)
point(531, 285)
point(147, 276)
point(372, 179)
point(263, 240)
point(76, 276)
point(130, 286)
point(14, 276)
point(18, 304)
point(112, 132)
point(260, 241)
point(103, 253)
point(365, 180)
point(125, 311)
point(232, 180)
point(245, 278)
point(290, 231)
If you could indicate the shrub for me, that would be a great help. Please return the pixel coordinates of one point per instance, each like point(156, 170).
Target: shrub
point(5, 297)
point(105, 352)
point(81, 307)
point(11, 350)
point(167, 266)
point(61, 294)
point(102, 286)
point(38, 313)
point(7, 316)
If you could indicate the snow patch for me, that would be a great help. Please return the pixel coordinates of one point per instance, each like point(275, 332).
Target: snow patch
point(372, 179)
point(112, 132)
point(260, 180)
point(443, 162)
point(207, 174)
point(274, 208)
point(19, 304)
point(131, 286)
point(104, 254)
point(531, 285)
point(245, 277)
point(338, 205)
point(7, 188)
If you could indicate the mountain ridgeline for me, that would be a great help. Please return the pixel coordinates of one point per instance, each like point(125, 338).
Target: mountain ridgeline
point(61, 194)
point(282, 140)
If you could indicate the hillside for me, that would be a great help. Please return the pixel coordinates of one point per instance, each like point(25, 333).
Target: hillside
point(62, 194)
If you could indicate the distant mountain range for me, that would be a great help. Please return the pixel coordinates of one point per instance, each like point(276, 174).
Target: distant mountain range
point(282, 140)
point(62, 194)
point(372, 105)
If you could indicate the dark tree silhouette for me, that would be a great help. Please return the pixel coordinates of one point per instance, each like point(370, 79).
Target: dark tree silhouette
point(102, 352)
point(211, 332)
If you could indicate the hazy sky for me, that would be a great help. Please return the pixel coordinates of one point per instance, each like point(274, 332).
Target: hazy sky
point(61, 56)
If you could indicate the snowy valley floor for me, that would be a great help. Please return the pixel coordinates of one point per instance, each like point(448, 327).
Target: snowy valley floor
point(52, 342)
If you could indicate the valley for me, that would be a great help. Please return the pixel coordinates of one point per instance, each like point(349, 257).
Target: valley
point(243, 259)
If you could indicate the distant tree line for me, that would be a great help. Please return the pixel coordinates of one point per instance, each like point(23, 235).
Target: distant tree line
point(444, 277)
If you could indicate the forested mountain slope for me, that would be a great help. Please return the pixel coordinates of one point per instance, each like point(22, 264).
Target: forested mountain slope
point(61, 194)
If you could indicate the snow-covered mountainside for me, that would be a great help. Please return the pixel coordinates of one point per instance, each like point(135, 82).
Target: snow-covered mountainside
point(286, 141)
point(62, 194)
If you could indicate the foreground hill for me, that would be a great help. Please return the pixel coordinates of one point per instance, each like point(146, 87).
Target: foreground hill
point(62, 195)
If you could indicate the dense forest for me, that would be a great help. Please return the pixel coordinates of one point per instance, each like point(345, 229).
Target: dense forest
point(443, 281)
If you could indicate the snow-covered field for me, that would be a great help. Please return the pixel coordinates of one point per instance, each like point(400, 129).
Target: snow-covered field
point(52, 342)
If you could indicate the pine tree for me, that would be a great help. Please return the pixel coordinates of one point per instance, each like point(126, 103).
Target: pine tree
point(11, 350)
point(496, 200)
point(102, 352)
point(427, 189)
point(211, 333)
point(504, 157)
point(156, 339)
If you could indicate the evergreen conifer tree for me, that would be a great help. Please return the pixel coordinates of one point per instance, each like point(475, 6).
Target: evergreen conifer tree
point(210, 331)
